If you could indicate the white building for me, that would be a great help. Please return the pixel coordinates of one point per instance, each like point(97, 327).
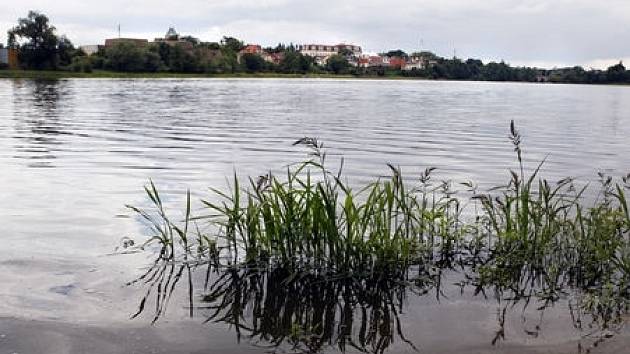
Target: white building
point(321, 52)
point(417, 65)
point(89, 49)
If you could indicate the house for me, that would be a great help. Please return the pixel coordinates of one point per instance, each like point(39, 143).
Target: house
point(414, 65)
point(249, 49)
point(370, 61)
point(90, 49)
point(9, 58)
point(275, 58)
point(355, 49)
point(256, 49)
point(317, 51)
point(397, 62)
point(322, 52)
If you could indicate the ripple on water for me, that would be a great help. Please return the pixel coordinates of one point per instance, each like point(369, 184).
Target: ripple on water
point(74, 152)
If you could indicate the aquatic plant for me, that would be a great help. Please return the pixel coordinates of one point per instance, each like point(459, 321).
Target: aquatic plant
point(530, 240)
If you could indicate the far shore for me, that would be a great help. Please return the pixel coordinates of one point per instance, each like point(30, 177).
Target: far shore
point(58, 74)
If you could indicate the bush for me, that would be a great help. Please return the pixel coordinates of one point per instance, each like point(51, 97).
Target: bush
point(128, 57)
point(253, 62)
point(81, 64)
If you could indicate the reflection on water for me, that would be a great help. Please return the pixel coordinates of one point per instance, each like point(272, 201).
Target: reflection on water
point(309, 312)
point(313, 311)
point(305, 312)
point(38, 130)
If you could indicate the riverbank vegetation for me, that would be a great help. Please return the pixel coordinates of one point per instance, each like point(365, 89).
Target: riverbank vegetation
point(105, 74)
point(40, 48)
point(528, 241)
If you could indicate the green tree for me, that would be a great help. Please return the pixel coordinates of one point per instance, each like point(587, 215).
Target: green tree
point(233, 44)
point(616, 73)
point(345, 52)
point(497, 72)
point(426, 55)
point(180, 60)
point(253, 62)
point(35, 38)
point(163, 50)
point(294, 63)
point(152, 62)
point(194, 40)
point(397, 53)
point(228, 61)
point(66, 51)
point(338, 64)
point(211, 45)
point(126, 57)
point(81, 64)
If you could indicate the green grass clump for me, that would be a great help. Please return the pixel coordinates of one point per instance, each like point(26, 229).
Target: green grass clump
point(530, 240)
point(312, 218)
point(543, 240)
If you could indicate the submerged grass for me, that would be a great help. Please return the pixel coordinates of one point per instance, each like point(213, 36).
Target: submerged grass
point(528, 240)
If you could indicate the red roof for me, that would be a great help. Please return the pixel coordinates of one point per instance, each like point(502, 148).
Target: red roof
point(397, 62)
point(252, 49)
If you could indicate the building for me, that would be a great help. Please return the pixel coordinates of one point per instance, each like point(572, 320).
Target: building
point(172, 38)
point(397, 62)
point(90, 49)
point(349, 48)
point(274, 58)
point(135, 41)
point(321, 52)
point(414, 65)
point(9, 57)
point(420, 61)
point(251, 49)
point(371, 61)
point(317, 50)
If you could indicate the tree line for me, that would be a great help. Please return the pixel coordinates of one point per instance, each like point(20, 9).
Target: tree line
point(40, 48)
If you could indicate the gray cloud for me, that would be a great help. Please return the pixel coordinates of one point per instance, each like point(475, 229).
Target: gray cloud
point(534, 32)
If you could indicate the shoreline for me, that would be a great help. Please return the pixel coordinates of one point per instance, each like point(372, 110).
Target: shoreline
point(19, 335)
point(102, 74)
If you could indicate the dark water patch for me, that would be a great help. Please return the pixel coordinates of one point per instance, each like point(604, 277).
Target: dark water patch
point(63, 289)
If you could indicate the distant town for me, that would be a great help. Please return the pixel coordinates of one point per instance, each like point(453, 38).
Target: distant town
point(34, 45)
point(320, 53)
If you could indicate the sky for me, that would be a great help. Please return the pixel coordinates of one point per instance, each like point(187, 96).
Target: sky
point(543, 33)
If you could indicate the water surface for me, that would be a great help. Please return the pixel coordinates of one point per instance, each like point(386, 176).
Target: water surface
point(74, 152)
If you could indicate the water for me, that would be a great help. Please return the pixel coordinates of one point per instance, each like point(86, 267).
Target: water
point(74, 152)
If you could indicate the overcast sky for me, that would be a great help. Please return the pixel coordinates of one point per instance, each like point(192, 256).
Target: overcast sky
point(592, 33)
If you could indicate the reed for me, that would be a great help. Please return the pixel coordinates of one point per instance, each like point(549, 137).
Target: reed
point(529, 239)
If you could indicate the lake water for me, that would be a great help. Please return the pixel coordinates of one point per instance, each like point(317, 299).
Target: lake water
point(73, 153)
